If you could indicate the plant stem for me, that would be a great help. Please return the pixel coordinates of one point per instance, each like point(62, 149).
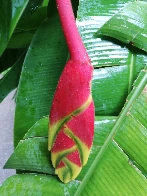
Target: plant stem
point(73, 39)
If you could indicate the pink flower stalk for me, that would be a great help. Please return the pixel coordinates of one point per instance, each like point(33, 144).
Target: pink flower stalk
point(71, 127)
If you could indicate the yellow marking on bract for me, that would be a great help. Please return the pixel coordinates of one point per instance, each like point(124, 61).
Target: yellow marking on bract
point(69, 172)
point(84, 151)
point(58, 156)
point(55, 128)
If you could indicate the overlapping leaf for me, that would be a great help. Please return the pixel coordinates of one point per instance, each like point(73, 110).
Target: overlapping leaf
point(5, 20)
point(10, 13)
point(27, 27)
point(130, 19)
point(36, 185)
point(119, 65)
point(13, 76)
point(17, 9)
point(35, 144)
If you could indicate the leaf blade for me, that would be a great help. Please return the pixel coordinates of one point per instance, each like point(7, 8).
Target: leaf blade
point(22, 184)
point(135, 93)
point(37, 67)
point(13, 76)
point(17, 9)
point(5, 20)
point(129, 25)
point(116, 66)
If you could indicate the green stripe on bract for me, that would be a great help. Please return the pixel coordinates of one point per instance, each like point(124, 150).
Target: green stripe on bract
point(84, 151)
point(55, 128)
point(69, 172)
point(58, 156)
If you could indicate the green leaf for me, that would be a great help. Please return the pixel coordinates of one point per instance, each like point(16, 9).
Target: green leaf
point(111, 161)
point(17, 9)
point(5, 20)
point(116, 66)
point(26, 28)
point(35, 145)
point(39, 129)
point(8, 59)
point(92, 14)
point(21, 39)
point(129, 25)
point(12, 75)
point(36, 185)
point(34, 20)
point(32, 6)
point(114, 175)
point(39, 64)
point(31, 154)
point(10, 13)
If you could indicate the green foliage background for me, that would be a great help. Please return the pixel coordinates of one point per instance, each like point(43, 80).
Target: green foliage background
point(31, 36)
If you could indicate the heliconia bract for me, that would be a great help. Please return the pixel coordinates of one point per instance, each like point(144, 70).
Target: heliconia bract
point(71, 127)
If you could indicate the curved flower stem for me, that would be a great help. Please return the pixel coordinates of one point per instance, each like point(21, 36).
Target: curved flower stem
point(73, 39)
point(71, 127)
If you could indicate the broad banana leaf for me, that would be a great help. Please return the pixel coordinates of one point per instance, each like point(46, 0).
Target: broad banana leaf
point(36, 185)
point(130, 19)
point(115, 152)
point(116, 65)
point(114, 166)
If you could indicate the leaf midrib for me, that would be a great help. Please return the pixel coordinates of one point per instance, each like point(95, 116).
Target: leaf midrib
point(131, 69)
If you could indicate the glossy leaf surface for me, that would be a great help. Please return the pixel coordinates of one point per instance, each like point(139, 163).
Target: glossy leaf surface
point(17, 9)
point(39, 129)
point(35, 144)
point(26, 28)
point(39, 63)
point(13, 76)
point(129, 25)
point(36, 185)
point(10, 13)
point(5, 20)
point(111, 159)
point(119, 65)
point(31, 154)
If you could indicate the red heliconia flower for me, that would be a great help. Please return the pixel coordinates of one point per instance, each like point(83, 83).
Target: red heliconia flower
point(71, 127)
